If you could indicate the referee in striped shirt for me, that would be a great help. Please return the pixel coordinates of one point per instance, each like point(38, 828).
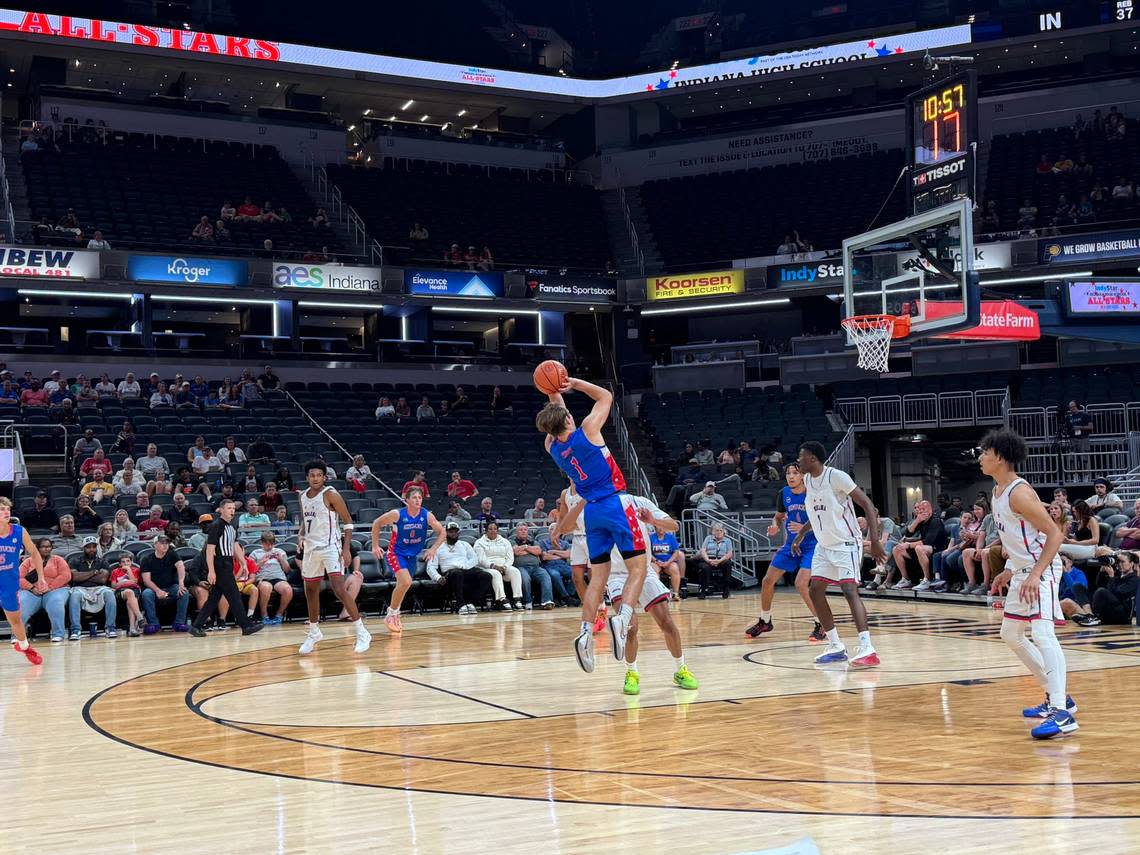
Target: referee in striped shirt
point(221, 549)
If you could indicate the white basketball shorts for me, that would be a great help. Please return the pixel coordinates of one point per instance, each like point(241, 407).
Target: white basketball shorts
point(316, 562)
point(579, 554)
point(652, 592)
point(1048, 605)
point(837, 564)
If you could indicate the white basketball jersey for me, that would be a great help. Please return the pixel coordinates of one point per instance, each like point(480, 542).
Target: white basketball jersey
point(828, 505)
point(572, 501)
point(319, 522)
point(1023, 543)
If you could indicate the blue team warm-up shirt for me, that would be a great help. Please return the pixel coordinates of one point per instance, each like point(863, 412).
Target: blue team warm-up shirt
point(591, 467)
point(663, 546)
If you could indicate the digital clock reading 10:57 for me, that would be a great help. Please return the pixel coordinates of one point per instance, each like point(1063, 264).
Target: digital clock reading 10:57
point(940, 124)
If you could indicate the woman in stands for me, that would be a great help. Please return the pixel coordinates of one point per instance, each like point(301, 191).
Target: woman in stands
point(1082, 540)
point(122, 529)
point(107, 542)
point(284, 480)
point(251, 485)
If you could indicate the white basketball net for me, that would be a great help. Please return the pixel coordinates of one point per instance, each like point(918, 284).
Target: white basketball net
point(872, 336)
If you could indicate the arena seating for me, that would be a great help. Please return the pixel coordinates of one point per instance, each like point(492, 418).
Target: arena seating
point(716, 218)
point(148, 192)
point(769, 417)
point(1012, 177)
point(523, 218)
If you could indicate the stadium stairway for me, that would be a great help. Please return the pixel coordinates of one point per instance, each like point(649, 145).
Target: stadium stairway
point(624, 254)
point(647, 241)
point(325, 198)
point(17, 183)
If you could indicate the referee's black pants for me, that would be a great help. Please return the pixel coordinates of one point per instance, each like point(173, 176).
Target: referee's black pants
point(225, 585)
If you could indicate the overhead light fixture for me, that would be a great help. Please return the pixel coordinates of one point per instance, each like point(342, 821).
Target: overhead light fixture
point(407, 104)
point(103, 295)
point(461, 113)
point(392, 118)
point(350, 127)
point(781, 301)
point(445, 126)
point(481, 311)
point(424, 117)
point(322, 305)
point(368, 112)
point(1018, 280)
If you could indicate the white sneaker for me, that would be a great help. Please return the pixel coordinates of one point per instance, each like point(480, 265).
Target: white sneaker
point(901, 585)
point(924, 585)
point(619, 628)
point(584, 650)
point(363, 640)
point(310, 642)
point(468, 609)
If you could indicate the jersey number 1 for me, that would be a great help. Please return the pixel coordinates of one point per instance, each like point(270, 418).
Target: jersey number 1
point(577, 468)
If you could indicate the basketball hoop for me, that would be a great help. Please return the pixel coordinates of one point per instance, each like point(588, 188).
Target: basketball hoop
point(872, 335)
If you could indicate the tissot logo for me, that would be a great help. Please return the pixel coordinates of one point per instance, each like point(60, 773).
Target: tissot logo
point(946, 170)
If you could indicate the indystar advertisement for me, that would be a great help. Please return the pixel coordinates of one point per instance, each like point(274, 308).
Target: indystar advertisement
point(694, 285)
point(186, 270)
point(1104, 297)
point(453, 283)
point(556, 286)
point(325, 277)
point(36, 263)
point(805, 273)
point(987, 256)
point(1092, 247)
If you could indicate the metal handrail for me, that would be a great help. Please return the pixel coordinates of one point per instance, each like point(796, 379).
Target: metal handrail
point(925, 410)
point(333, 200)
point(632, 465)
point(631, 230)
point(843, 457)
point(750, 548)
point(11, 438)
point(349, 455)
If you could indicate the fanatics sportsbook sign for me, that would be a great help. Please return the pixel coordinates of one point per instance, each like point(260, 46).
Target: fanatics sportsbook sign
point(694, 285)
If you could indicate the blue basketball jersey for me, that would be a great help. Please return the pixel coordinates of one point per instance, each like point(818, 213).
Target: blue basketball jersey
point(409, 534)
point(10, 549)
point(591, 467)
point(794, 505)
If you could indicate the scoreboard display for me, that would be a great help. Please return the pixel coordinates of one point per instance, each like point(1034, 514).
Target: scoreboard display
point(942, 132)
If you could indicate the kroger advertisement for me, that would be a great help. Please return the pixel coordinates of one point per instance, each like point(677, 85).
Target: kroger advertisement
point(35, 263)
point(187, 271)
point(453, 283)
point(325, 277)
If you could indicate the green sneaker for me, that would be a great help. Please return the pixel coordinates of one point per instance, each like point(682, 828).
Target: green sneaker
point(685, 679)
point(632, 683)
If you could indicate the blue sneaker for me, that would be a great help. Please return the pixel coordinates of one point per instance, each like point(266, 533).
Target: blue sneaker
point(1058, 723)
point(832, 654)
point(267, 621)
point(276, 619)
point(1043, 709)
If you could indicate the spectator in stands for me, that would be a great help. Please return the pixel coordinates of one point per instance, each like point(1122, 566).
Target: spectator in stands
point(85, 446)
point(34, 396)
point(1044, 165)
point(456, 565)
point(1083, 168)
point(418, 483)
point(267, 381)
point(227, 494)
point(283, 480)
point(923, 536)
point(231, 399)
point(247, 211)
point(199, 389)
point(1073, 595)
point(486, 259)
point(461, 400)
point(127, 481)
point(667, 558)
point(271, 499)
point(122, 529)
point(228, 211)
point(1079, 126)
point(40, 516)
point(183, 398)
point(269, 213)
point(1104, 502)
point(791, 244)
point(125, 440)
point(164, 578)
point(384, 409)
point(1063, 164)
point(715, 554)
point(471, 257)
point(358, 474)
point(1129, 532)
point(180, 511)
point(151, 464)
point(497, 558)
point(203, 231)
point(254, 520)
point(261, 451)
point(69, 224)
point(424, 412)
point(1080, 428)
point(89, 590)
point(248, 388)
point(1114, 600)
point(1085, 211)
point(1065, 212)
point(85, 517)
point(991, 220)
point(282, 525)
point(948, 566)
point(154, 524)
point(68, 540)
point(160, 397)
point(500, 402)
point(403, 411)
point(945, 507)
point(97, 489)
point(9, 392)
point(230, 453)
point(444, 410)
point(97, 462)
point(708, 499)
point(47, 590)
point(1061, 497)
point(319, 220)
point(418, 237)
point(105, 388)
point(728, 455)
point(1115, 128)
point(487, 515)
point(453, 257)
point(1099, 194)
point(174, 532)
point(198, 540)
point(1081, 541)
point(97, 242)
point(1123, 190)
point(456, 514)
point(272, 567)
point(142, 507)
point(556, 562)
point(129, 387)
point(461, 489)
point(528, 560)
point(250, 483)
point(704, 454)
point(106, 541)
point(537, 513)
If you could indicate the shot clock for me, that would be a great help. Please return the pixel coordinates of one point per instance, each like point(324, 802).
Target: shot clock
point(941, 132)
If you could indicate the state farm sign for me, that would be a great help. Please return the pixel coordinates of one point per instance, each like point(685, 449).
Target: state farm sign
point(694, 285)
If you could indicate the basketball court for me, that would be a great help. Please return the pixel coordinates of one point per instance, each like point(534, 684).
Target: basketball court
point(482, 734)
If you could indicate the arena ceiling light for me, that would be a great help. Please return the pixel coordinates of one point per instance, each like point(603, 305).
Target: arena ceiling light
point(408, 104)
point(779, 301)
point(102, 295)
point(1021, 280)
point(233, 301)
point(465, 309)
point(320, 305)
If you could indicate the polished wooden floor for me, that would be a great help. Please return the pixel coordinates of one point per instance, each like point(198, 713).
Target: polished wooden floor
point(481, 734)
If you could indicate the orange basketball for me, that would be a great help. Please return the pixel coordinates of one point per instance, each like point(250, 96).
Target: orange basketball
point(549, 376)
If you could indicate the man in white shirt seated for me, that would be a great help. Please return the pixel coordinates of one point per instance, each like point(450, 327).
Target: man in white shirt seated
point(129, 388)
point(231, 453)
point(457, 567)
point(152, 463)
point(709, 499)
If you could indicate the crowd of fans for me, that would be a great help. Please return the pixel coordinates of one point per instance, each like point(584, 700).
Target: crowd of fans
point(401, 411)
